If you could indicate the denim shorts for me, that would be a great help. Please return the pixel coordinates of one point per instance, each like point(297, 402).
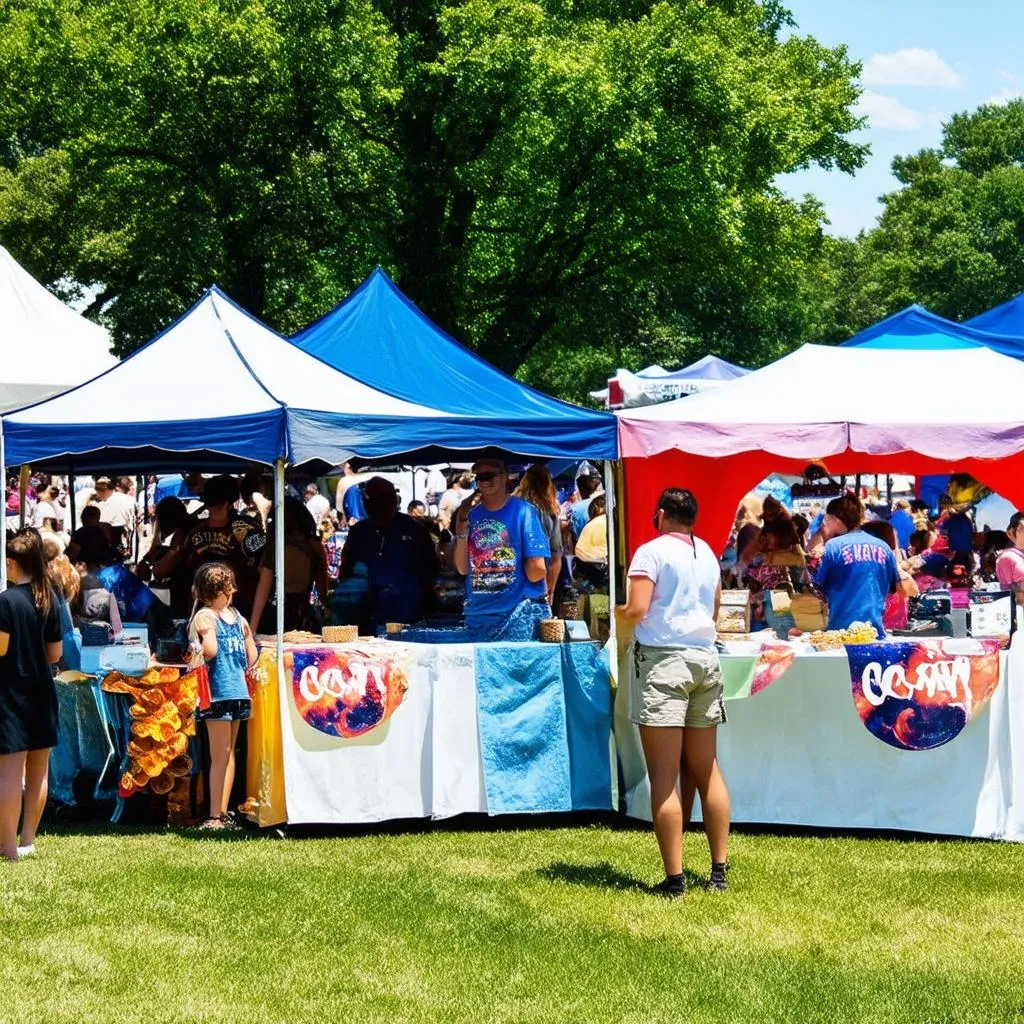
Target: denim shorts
point(226, 711)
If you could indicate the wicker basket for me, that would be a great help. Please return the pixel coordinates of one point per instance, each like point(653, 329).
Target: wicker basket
point(569, 610)
point(394, 627)
point(340, 634)
point(552, 631)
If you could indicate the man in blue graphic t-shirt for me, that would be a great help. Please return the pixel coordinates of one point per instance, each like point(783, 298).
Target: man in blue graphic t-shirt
point(501, 547)
point(857, 572)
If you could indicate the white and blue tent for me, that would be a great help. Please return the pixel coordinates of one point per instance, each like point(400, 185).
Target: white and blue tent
point(218, 388)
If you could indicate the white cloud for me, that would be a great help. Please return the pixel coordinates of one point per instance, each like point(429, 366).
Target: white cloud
point(1001, 98)
point(911, 66)
point(1011, 91)
point(888, 113)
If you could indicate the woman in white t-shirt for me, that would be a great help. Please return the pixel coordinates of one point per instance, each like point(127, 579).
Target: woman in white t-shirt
point(676, 682)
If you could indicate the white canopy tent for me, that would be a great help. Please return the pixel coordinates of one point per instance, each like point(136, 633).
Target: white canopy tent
point(47, 347)
point(820, 400)
point(851, 409)
point(656, 384)
point(218, 385)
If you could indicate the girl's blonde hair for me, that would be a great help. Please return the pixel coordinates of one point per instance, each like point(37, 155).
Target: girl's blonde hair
point(212, 580)
point(25, 549)
point(63, 576)
point(538, 489)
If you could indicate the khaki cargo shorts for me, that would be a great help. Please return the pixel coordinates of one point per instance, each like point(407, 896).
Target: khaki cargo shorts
point(677, 687)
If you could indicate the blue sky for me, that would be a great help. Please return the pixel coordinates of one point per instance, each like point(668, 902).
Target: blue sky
point(923, 61)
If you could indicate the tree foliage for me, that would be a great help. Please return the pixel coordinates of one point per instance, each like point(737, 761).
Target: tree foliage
point(951, 237)
point(562, 183)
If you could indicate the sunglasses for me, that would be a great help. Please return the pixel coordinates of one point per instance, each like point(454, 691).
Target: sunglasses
point(486, 478)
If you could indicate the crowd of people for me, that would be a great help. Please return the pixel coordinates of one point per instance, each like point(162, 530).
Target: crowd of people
point(882, 558)
point(511, 540)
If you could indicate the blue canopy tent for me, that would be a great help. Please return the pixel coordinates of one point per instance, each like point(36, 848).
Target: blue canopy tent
point(706, 368)
point(1006, 318)
point(917, 328)
point(378, 336)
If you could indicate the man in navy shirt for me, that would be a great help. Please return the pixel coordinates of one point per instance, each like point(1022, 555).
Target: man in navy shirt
point(902, 522)
point(858, 571)
point(956, 527)
point(398, 554)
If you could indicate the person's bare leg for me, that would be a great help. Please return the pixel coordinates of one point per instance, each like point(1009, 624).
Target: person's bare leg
point(229, 774)
point(37, 773)
point(662, 748)
point(700, 752)
point(12, 775)
point(688, 789)
point(219, 734)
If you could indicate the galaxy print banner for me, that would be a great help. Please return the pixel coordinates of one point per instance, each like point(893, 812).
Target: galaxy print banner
point(920, 694)
point(383, 729)
point(772, 662)
point(346, 693)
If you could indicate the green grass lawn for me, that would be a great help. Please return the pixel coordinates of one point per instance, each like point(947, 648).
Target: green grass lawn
point(494, 926)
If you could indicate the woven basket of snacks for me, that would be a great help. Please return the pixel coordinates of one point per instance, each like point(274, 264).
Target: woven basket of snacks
point(340, 634)
point(552, 631)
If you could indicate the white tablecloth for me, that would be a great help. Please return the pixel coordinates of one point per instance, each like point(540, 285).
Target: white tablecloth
point(797, 754)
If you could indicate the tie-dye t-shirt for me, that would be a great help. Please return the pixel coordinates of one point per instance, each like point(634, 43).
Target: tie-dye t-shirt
point(498, 545)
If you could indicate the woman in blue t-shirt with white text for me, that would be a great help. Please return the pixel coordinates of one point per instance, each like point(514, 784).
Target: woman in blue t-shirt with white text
point(857, 571)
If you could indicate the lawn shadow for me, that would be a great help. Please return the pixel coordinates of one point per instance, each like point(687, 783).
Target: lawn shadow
point(603, 876)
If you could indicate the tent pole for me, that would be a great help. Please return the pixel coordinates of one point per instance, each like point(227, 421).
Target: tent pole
point(145, 506)
point(3, 539)
point(72, 511)
point(609, 507)
point(139, 526)
point(278, 565)
point(22, 491)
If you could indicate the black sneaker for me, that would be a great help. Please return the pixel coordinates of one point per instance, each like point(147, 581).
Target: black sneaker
point(670, 888)
point(717, 882)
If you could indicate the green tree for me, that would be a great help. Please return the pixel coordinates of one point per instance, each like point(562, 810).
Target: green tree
point(952, 236)
point(559, 183)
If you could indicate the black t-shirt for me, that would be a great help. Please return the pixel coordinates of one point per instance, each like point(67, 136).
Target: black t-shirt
point(239, 543)
point(93, 546)
point(25, 660)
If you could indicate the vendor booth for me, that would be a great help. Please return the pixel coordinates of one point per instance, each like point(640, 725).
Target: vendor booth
point(798, 751)
point(48, 347)
point(656, 384)
point(433, 730)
